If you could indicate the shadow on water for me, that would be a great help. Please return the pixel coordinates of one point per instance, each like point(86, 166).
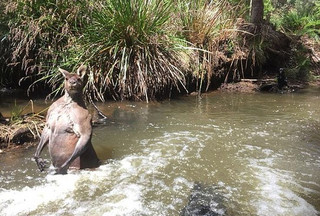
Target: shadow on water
point(226, 154)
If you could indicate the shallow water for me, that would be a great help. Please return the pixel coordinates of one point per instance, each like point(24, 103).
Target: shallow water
point(259, 153)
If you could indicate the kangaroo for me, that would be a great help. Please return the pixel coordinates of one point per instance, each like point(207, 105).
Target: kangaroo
point(68, 129)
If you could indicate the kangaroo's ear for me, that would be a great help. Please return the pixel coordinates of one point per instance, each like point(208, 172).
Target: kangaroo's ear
point(65, 73)
point(82, 71)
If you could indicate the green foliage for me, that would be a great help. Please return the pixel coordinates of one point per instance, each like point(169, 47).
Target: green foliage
point(131, 49)
point(300, 64)
point(4, 30)
point(298, 17)
point(17, 111)
point(268, 8)
point(292, 21)
point(129, 46)
point(40, 33)
point(3, 20)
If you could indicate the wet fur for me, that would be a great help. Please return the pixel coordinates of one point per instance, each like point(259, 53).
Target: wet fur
point(68, 129)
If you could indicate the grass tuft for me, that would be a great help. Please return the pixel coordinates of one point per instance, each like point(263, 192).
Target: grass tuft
point(131, 50)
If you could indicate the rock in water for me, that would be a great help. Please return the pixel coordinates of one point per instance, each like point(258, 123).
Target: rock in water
point(204, 201)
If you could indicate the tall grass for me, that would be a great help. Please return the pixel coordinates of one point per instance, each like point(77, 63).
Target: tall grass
point(40, 34)
point(211, 26)
point(135, 49)
point(132, 51)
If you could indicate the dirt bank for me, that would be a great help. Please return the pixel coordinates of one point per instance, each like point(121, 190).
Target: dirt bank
point(246, 87)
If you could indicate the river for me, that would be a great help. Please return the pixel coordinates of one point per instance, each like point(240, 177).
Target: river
point(232, 153)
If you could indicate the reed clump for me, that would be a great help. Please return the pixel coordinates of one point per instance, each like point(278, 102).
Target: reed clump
point(132, 51)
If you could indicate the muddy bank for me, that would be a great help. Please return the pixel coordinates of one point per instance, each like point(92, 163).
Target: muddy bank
point(246, 87)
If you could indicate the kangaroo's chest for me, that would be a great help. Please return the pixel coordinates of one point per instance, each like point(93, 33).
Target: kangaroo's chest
point(61, 120)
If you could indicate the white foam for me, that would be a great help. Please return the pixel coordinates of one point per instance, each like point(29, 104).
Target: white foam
point(120, 187)
point(14, 202)
point(277, 199)
point(125, 201)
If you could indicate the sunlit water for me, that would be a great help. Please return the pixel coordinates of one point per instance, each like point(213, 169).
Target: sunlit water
point(259, 153)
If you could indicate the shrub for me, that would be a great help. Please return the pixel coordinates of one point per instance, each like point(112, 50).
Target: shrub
point(132, 51)
point(299, 64)
point(40, 33)
point(300, 17)
point(210, 26)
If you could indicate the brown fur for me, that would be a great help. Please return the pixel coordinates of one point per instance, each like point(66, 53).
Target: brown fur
point(68, 129)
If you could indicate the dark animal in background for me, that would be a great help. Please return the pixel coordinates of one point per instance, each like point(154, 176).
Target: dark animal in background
point(282, 79)
point(68, 128)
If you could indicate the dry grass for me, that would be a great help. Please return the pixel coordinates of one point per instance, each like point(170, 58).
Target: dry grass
point(213, 29)
point(21, 128)
point(26, 129)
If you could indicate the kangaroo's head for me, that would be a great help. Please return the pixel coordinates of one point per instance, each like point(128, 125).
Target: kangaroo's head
point(73, 83)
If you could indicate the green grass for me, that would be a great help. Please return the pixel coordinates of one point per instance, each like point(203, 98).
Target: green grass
point(132, 51)
point(298, 18)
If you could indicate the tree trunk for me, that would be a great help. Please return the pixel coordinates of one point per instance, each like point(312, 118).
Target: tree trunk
point(257, 11)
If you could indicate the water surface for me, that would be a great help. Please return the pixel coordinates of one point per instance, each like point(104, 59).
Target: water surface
point(259, 153)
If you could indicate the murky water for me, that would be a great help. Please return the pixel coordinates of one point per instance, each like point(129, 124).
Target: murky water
point(259, 154)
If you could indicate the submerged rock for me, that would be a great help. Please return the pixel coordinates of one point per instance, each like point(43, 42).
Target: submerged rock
point(204, 201)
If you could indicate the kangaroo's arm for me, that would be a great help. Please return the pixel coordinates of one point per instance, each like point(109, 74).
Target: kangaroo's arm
point(44, 139)
point(83, 128)
point(43, 142)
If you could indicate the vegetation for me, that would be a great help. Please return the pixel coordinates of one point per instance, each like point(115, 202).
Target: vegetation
point(211, 28)
point(132, 49)
point(298, 17)
point(301, 20)
point(148, 49)
point(20, 128)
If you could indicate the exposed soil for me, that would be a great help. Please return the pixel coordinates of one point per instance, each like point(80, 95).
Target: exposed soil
point(246, 87)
